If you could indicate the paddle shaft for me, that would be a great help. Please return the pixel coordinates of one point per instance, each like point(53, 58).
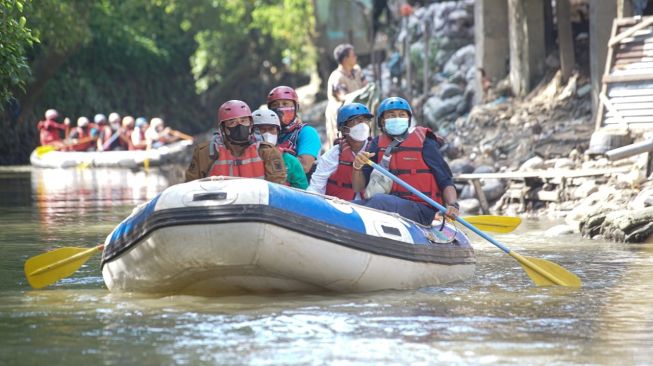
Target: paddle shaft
point(70, 259)
point(181, 135)
point(471, 227)
point(437, 205)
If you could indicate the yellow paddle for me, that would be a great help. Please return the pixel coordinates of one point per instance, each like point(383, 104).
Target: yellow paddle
point(47, 268)
point(495, 224)
point(541, 271)
point(44, 149)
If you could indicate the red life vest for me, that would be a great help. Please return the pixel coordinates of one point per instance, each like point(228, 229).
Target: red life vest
point(407, 163)
point(83, 134)
point(339, 183)
point(49, 131)
point(248, 165)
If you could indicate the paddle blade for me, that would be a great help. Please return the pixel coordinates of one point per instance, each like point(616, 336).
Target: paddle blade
point(47, 268)
point(495, 224)
point(546, 273)
point(44, 149)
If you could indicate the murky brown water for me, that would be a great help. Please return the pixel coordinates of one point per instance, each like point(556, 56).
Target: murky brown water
point(498, 317)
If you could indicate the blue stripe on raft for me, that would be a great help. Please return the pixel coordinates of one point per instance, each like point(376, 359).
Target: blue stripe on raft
point(418, 234)
point(126, 227)
point(315, 207)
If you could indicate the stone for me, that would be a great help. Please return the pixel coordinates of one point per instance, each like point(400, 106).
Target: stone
point(533, 163)
point(559, 230)
point(470, 206)
point(448, 90)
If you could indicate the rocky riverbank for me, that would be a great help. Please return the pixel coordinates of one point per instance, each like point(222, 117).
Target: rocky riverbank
point(547, 131)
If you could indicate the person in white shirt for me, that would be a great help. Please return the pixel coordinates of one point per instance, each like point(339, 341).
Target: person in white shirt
point(334, 168)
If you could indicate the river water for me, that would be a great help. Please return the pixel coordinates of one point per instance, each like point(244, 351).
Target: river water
point(498, 317)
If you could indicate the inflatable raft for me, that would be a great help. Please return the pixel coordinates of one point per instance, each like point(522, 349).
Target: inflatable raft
point(134, 159)
point(230, 236)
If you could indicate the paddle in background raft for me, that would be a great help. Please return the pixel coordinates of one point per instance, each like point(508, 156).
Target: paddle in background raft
point(541, 271)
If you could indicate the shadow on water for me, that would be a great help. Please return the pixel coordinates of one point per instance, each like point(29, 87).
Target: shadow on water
point(497, 317)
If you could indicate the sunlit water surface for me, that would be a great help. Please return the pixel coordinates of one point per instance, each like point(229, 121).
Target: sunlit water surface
point(497, 317)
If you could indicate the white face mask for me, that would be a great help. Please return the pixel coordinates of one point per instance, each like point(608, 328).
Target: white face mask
point(360, 132)
point(270, 137)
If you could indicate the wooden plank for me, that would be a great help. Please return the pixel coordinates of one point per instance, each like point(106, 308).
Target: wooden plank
point(604, 86)
point(633, 54)
point(485, 207)
point(631, 72)
point(631, 31)
point(544, 174)
point(629, 121)
point(611, 79)
point(631, 64)
point(611, 109)
point(633, 100)
point(630, 91)
point(620, 106)
point(622, 113)
point(646, 45)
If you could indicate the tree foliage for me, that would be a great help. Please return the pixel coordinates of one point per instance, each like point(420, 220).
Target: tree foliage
point(177, 59)
point(15, 37)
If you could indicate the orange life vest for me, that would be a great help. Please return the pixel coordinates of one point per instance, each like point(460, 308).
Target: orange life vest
point(407, 163)
point(339, 183)
point(248, 165)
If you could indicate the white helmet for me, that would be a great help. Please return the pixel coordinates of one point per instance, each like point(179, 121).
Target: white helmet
point(114, 118)
point(266, 117)
point(156, 122)
point(100, 118)
point(128, 121)
point(51, 114)
point(82, 121)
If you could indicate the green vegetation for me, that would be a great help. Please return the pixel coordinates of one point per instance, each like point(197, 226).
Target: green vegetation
point(16, 37)
point(178, 59)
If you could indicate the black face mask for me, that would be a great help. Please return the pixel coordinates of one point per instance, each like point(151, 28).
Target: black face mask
point(238, 134)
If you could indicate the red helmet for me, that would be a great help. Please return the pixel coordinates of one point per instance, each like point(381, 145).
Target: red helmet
point(283, 92)
point(233, 109)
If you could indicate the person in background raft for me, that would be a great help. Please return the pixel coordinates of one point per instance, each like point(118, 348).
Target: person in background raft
point(296, 137)
point(157, 134)
point(49, 129)
point(138, 141)
point(334, 168)
point(83, 136)
point(105, 132)
point(266, 128)
point(232, 151)
point(347, 78)
point(412, 154)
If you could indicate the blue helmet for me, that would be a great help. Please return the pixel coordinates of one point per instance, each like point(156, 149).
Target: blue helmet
point(348, 111)
point(391, 103)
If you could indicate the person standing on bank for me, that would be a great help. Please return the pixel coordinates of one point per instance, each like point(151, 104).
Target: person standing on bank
point(412, 154)
point(296, 137)
point(266, 128)
point(347, 78)
point(232, 152)
point(334, 168)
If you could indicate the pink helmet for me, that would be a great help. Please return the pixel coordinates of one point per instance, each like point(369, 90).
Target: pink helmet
point(283, 92)
point(233, 109)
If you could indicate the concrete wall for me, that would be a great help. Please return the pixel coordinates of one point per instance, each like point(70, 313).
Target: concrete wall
point(491, 38)
point(527, 44)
